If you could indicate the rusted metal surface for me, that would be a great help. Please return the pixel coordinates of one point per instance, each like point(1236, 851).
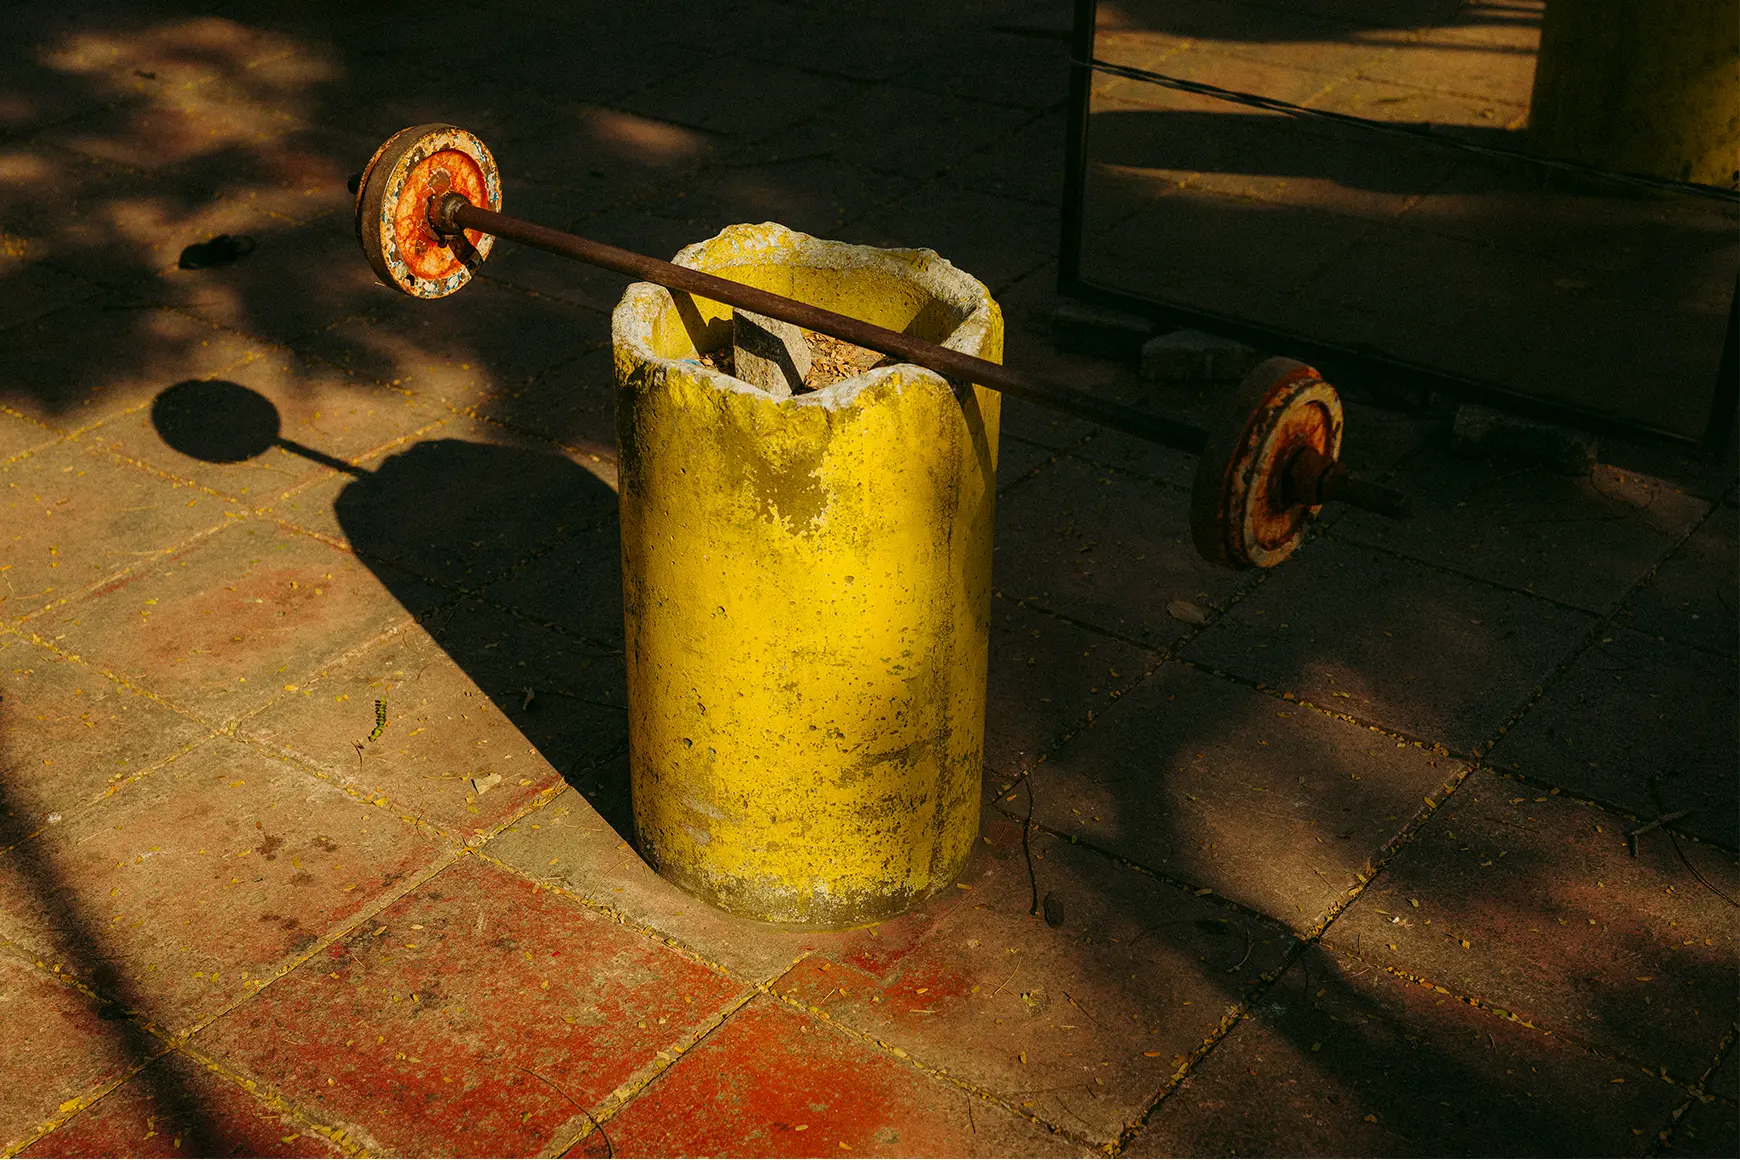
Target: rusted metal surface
point(1268, 468)
point(392, 208)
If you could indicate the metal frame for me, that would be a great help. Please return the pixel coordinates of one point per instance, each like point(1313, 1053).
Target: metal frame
point(1347, 364)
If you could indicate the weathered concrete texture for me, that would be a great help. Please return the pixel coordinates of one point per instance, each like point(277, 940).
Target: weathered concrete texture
point(1584, 541)
point(1048, 678)
point(1692, 598)
point(780, 1083)
point(69, 736)
point(1106, 549)
point(1649, 726)
point(62, 1049)
point(1426, 653)
point(1084, 328)
point(1277, 806)
point(395, 1042)
point(197, 885)
point(768, 353)
point(1342, 1060)
point(226, 623)
point(1632, 955)
point(482, 715)
point(1082, 1023)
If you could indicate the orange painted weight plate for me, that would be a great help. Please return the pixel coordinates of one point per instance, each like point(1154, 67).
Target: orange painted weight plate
point(392, 208)
point(1239, 513)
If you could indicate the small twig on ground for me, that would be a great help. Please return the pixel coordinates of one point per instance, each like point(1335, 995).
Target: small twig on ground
point(609, 1149)
point(1631, 836)
point(1249, 943)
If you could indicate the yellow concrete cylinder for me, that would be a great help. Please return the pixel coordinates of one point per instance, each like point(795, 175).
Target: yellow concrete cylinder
point(806, 586)
point(1646, 86)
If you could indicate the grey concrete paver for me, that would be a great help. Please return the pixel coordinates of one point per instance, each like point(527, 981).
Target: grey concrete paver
point(1048, 677)
point(1425, 653)
point(1707, 1129)
point(1279, 807)
point(76, 517)
point(1342, 1060)
point(1529, 903)
point(575, 585)
point(1582, 541)
point(1105, 549)
point(1693, 596)
point(19, 435)
point(995, 239)
point(1646, 725)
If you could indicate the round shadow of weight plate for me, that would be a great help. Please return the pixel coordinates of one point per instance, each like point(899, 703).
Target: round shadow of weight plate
point(215, 420)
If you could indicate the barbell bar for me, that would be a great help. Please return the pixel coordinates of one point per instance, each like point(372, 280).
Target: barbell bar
point(428, 213)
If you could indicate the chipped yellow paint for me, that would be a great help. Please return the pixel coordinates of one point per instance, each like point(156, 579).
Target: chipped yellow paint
point(806, 584)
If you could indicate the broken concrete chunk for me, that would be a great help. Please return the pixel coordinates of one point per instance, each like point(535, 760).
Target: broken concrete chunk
point(483, 783)
point(1083, 328)
point(768, 353)
point(1481, 432)
point(1195, 356)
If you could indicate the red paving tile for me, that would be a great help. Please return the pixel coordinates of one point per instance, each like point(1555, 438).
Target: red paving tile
point(478, 1015)
point(186, 892)
point(219, 628)
point(59, 1047)
point(180, 1107)
point(775, 1082)
point(1083, 1023)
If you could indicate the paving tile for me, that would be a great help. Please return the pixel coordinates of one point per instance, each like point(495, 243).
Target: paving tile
point(1277, 806)
point(1646, 725)
point(1026, 163)
point(810, 193)
point(573, 405)
point(191, 890)
point(730, 95)
point(1106, 549)
point(318, 410)
point(61, 1047)
point(655, 226)
point(80, 365)
point(1000, 66)
point(34, 289)
point(1048, 677)
point(1081, 1024)
point(1530, 903)
point(846, 132)
point(19, 435)
point(221, 626)
point(1018, 459)
point(595, 157)
point(1585, 541)
point(1340, 1060)
point(463, 749)
point(478, 1015)
point(1428, 654)
point(1692, 597)
point(1706, 1129)
point(461, 507)
point(575, 585)
point(76, 517)
point(580, 842)
point(995, 239)
point(459, 349)
point(775, 1082)
point(179, 1107)
point(71, 735)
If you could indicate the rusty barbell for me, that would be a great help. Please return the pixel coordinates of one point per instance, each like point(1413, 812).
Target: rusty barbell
point(428, 212)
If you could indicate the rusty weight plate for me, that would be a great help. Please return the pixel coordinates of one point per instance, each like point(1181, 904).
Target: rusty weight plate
point(392, 208)
point(1240, 512)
